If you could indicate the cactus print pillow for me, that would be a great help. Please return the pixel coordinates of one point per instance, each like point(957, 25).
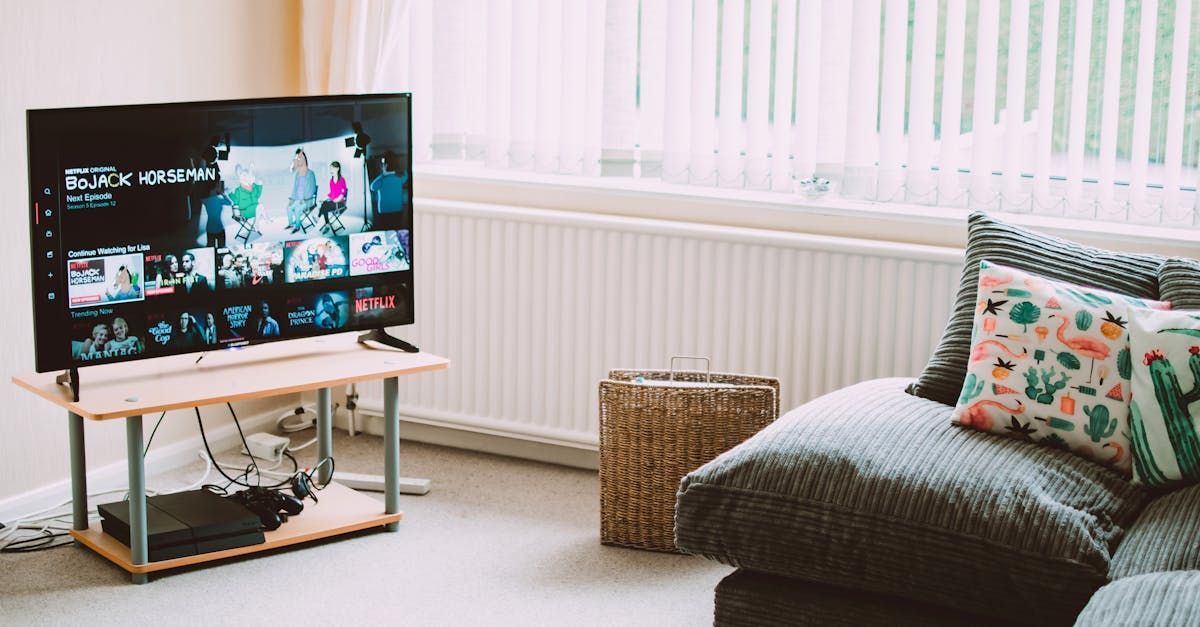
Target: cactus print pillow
point(1050, 363)
point(1166, 397)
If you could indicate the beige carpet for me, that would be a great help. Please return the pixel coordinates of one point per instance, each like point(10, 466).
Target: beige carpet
point(498, 541)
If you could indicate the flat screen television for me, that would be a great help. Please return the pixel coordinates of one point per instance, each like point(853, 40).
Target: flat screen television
point(176, 228)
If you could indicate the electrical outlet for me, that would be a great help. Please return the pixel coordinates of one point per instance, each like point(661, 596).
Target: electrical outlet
point(266, 446)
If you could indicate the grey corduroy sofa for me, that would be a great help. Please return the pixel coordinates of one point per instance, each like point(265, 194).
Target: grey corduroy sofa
point(866, 506)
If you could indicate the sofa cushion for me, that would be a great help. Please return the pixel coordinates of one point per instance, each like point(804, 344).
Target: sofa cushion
point(1171, 598)
point(1179, 282)
point(747, 598)
point(1166, 536)
point(874, 489)
point(1051, 257)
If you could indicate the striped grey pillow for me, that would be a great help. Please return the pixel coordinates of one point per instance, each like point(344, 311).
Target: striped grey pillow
point(1179, 282)
point(1046, 255)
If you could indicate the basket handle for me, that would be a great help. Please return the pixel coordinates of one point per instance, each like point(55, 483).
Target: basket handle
point(707, 366)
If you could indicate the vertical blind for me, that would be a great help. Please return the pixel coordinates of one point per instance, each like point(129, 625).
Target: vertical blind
point(1077, 108)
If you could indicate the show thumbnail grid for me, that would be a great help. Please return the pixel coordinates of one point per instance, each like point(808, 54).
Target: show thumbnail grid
point(200, 271)
point(160, 301)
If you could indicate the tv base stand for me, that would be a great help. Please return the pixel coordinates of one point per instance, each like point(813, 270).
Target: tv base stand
point(381, 336)
point(70, 378)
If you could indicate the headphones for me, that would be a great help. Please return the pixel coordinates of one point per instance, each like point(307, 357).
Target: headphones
point(303, 485)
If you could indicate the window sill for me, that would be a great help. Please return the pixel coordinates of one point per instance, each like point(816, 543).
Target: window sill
point(831, 216)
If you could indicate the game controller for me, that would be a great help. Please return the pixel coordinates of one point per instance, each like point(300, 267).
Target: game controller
point(271, 520)
point(271, 506)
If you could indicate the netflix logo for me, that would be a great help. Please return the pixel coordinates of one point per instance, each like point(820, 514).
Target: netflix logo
point(379, 306)
point(374, 302)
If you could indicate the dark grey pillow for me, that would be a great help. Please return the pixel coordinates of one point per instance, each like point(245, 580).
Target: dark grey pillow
point(1045, 255)
point(1179, 282)
point(871, 489)
point(1171, 598)
point(1162, 538)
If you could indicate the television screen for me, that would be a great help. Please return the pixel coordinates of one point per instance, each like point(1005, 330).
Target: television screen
point(173, 228)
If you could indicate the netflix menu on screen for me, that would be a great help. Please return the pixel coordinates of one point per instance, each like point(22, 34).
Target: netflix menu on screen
point(163, 229)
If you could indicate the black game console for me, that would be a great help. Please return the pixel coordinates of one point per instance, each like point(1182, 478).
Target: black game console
point(186, 523)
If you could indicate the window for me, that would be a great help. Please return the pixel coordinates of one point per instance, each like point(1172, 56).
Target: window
point(1077, 108)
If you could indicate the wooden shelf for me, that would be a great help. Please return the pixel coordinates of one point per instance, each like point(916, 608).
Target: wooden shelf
point(178, 382)
point(341, 510)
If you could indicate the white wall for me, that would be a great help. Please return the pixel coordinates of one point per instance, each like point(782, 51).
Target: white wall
point(66, 53)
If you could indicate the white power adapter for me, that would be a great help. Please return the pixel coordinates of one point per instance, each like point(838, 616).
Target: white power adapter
point(266, 446)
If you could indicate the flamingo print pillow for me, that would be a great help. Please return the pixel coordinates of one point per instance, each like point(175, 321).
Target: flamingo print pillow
point(1050, 363)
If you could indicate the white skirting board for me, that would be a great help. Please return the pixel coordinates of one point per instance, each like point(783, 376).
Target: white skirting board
point(497, 440)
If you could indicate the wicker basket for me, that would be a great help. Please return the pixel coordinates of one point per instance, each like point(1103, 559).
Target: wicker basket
point(652, 434)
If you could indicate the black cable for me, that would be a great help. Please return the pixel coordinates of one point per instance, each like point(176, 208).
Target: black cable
point(152, 432)
point(44, 538)
point(245, 476)
point(295, 468)
point(237, 423)
point(316, 468)
point(45, 547)
point(212, 457)
point(217, 465)
point(254, 461)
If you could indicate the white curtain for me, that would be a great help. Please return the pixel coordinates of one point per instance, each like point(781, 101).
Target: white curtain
point(365, 46)
point(1083, 108)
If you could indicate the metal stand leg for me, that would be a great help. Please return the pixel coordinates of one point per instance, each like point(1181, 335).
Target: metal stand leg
point(79, 500)
point(324, 432)
point(391, 443)
point(138, 552)
point(391, 449)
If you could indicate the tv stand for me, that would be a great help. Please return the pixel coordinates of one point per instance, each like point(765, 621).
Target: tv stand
point(70, 378)
point(128, 390)
point(381, 336)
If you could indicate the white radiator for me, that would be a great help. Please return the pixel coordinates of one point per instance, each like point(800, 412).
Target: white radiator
point(534, 307)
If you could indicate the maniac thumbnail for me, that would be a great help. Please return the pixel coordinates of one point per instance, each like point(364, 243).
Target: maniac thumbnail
point(106, 335)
